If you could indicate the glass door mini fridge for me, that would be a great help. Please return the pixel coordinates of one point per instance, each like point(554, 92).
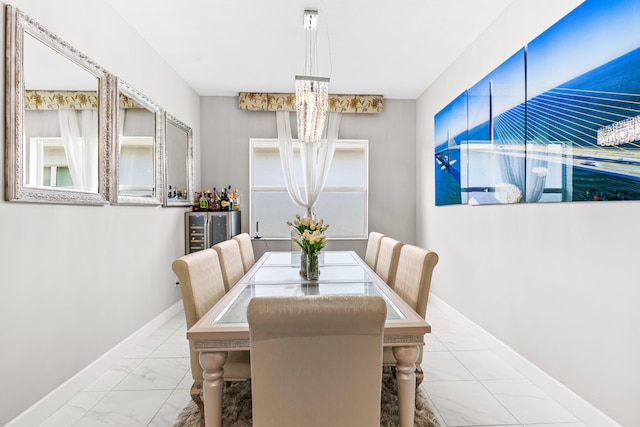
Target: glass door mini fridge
point(205, 229)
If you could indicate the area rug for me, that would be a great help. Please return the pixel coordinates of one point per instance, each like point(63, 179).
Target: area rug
point(236, 406)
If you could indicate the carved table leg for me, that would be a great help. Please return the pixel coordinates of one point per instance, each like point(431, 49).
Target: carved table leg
point(212, 386)
point(406, 379)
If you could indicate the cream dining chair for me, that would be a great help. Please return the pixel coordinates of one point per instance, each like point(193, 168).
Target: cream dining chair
point(316, 360)
point(202, 286)
point(373, 248)
point(230, 262)
point(412, 283)
point(387, 263)
point(246, 250)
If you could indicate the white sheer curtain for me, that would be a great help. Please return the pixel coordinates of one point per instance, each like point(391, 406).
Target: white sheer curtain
point(315, 160)
point(79, 131)
point(536, 172)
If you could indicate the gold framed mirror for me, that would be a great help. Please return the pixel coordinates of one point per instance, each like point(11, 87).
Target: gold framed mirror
point(178, 161)
point(138, 168)
point(59, 108)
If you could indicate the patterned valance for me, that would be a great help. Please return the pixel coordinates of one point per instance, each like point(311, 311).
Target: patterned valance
point(60, 100)
point(69, 100)
point(125, 101)
point(254, 101)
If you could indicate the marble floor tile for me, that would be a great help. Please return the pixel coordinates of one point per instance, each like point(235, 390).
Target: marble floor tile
point(466, 384)
point(176, 321)
point(171, 409)
point(457, 340)
point(125, 408)
point(443, 366)
point(485, 365)
point(432, 343)
point(173, 346)
point(433, 407)
point(186, 382)
point(467, 403)
point(557, 425)
point(75, 409)
point(156, 374)
point(166, 331)
point(527, 402)
point(146, 347)
point(111, 378)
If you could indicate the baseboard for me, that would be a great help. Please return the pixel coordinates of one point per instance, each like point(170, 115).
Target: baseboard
point(583, 410)
point(45, 407)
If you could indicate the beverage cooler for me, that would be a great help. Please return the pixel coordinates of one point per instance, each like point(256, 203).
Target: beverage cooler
point(205, 229)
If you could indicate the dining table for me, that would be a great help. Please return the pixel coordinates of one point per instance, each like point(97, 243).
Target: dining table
point(224, 327)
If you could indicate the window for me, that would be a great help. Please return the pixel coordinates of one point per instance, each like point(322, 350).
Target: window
point(47, 163)
point(343, 202)
point(136, 165)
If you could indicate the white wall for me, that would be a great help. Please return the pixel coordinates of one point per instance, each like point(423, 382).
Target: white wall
point(556, 282)
point(77, 280)
point(226, 131)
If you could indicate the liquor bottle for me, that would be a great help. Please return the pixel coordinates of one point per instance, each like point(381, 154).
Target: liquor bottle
point(236, 200)
point(224, 200)
point(232, 199)
point(204, 201)
point(215, 200)
point(196, 201)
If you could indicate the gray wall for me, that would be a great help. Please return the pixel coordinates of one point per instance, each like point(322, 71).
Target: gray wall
point(226, 131)
point(558, 283)
point(77, 280)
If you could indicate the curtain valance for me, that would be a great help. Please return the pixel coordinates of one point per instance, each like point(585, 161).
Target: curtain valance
point(257, 101)
point(69, 100)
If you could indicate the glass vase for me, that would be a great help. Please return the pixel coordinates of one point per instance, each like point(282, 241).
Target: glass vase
point(313, 266)
point(303, 264)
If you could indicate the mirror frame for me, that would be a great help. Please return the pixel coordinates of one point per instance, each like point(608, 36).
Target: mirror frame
point(158, 166)
point(168, 118)
point(17, 25)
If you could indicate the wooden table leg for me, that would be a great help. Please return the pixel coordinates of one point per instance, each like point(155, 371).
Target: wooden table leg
point(212, 386)
point(406, 378)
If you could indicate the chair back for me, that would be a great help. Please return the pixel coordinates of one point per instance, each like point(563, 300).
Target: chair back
point(373, 248)
point(316, 360)
point(246, 250)
point(413, 277)
point(230, 262)
point(388, 256)
point(202, 286)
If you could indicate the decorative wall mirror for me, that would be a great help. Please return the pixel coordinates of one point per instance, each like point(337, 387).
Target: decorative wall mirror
point(138, 149)
point(59, 118)
point(178, 163)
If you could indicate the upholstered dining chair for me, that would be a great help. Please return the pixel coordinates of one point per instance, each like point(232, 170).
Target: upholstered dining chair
point(373, 248)
point(230, 262)
point(388, 256)
point(316, 360)
point(202, 286)
point(246, 250)
point(412, 283)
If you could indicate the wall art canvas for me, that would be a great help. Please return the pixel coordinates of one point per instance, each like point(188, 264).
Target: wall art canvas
point(496, 148)
point(451, 134)
point(576, 135)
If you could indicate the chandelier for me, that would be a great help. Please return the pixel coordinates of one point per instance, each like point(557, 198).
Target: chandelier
point(621, 132)
point(312, 93)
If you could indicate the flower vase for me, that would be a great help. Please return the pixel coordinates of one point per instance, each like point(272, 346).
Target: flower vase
point(303, 264)
point(313, 267)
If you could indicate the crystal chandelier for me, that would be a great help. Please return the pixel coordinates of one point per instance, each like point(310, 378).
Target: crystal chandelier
point(312, 93)
point(622, 132)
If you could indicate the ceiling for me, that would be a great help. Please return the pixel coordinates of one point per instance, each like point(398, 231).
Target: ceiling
point(379, 47)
